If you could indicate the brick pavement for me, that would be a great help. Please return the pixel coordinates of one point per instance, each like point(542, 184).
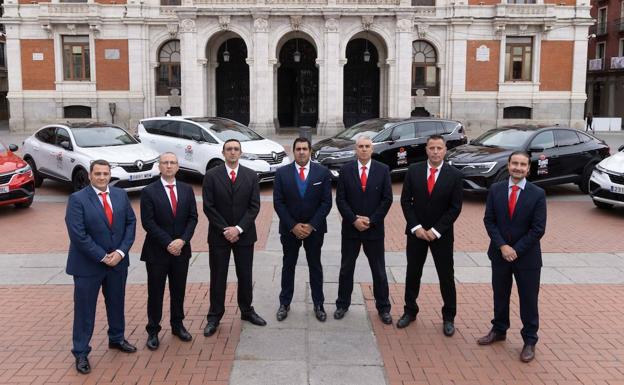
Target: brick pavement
point(580, 339)
point(35, 340)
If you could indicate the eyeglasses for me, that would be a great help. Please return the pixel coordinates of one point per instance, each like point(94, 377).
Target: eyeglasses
point(169, 162)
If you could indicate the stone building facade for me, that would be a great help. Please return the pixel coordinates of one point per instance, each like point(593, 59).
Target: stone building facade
point(275, 64)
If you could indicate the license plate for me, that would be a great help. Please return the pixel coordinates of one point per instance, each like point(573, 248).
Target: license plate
point(617, 189)
point(4, 189)
point(145, 175)
point(274, 168)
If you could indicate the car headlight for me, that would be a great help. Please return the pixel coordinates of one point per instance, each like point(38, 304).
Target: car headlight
point(24, 170)
point(249, 156)
point(482, 168)
point(342, 154)
point(600, 169)
point(113, 165)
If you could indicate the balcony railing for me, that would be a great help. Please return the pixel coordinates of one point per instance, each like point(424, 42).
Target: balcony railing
point(617, 63)
point(423, 3)
point(595, 64)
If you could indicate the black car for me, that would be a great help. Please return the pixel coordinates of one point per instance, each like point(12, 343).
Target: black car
point(396, 142)
point(558, 155)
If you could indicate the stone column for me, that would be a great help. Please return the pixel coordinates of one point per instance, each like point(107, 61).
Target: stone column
point(401, 72)
point(331, 81)
point(192, 95)
point(261, 79)
point(136, 73)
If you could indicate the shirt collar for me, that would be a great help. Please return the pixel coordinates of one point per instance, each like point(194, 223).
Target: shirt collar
point(521, 184)
point(229, 170)
point(360, 165)
point(437, 168)
point(165, 183)
point(307, 166)
point(97, 192)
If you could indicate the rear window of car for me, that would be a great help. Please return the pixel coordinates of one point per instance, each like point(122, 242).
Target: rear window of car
point(46, 135)
point(229, 129)
point(449, 127)
point(566, 138)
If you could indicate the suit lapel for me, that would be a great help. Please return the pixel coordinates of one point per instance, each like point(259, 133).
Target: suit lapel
point(520, 202)
point(162, 195)
point(239, 180)
point(225, 179)
point(98, 206)
point(441, 178)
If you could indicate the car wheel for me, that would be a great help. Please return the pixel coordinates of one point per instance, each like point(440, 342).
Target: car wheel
point(23, 205)
point(602, 205)
point(80, 179)
point(584, 182)
point(36, 174)
point(214, 163)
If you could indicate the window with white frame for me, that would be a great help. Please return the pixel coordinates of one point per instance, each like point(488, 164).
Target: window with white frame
point(424, 68)
point(518, 58)
point(76, 59)
point(600, 50)
point(168, 73)
point(621, 50)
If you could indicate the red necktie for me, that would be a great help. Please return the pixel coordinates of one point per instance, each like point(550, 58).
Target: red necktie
point(301, 174)
point(174, 201)
point(513, 197)
point(233, 176)
point(431, 179)
point(107, 209)
point(363, 178)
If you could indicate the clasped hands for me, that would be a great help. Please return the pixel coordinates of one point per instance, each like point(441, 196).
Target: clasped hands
point(231, 233)
point(175, 247)
point(112, 259)
point(361, 223)
point(425, 235)
point(302, 230)
point(508, 253)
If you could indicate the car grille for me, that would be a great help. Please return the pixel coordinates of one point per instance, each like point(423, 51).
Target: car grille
point(320, 156)
point(269, 157)
point(131, 167)
point(134, 183)
point(4, 179)
point(619, 179)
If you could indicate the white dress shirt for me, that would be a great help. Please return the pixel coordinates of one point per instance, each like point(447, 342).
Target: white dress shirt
point(306, 169)
point(367, 165)
point(229, 173)
point(110, 204)
point(521, 184)
point(175, 190)
point(437, 174)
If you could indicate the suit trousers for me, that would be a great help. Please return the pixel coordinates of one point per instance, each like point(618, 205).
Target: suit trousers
point(312, 246)
point(442, 251)
point(176, 270)
point(528, 283)
point(219, 260)
point(86, 291)
point(374, 250)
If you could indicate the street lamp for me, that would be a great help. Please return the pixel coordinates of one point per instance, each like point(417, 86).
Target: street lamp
point(367, 54)
point(226, 54)
point(297, 54)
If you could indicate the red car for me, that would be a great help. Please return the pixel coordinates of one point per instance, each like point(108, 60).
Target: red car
point(17, 182)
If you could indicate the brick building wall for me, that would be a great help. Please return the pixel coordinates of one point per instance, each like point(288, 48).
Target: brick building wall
point(38, 74)
point(482, 75)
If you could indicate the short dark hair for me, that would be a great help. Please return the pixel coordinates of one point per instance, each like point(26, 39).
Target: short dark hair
point(302, 140)
point(519, 152)
point(436, 137)
point(99, 162)
point(232, 140)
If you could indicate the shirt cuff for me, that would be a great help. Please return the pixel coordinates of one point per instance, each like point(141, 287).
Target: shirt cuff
point(123, 255)
point(413, 230)
point(239, 229)
point(436, 233)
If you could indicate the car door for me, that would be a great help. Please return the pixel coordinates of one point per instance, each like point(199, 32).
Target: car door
point(51, 156)
point(64, 158)
point(396, 152)
point(571, 156)
point(163, 135)
point(189, 147)
point(544, 157)
point(41, 149)
point(424, 130)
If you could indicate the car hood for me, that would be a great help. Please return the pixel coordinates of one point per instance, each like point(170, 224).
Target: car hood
point(470, 153)
point(10, 162)
point(129, 153)
point(333, 144)
point(264, 146)
point(614, 163)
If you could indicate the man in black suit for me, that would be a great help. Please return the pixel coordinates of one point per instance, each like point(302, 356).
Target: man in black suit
point(302, 199)
point(169, 217)
point(231, 202)
point(515, 219)
point(363, 197)
point(431, 201)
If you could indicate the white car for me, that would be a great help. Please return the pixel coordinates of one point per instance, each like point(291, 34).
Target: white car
point(198, 143)
point(606, 185)
point(64, 152)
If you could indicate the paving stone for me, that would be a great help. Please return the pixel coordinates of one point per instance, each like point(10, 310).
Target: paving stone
point(347, 375)
point(259, 343)
point(343, 348)
point(593, 274)
point(269, 373)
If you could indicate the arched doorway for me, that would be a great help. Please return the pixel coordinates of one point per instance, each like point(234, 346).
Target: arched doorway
point(232, 75)
point(361, 82)
point(297, 84)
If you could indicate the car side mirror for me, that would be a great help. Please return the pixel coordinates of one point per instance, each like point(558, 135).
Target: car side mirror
point(65, 144)
point(136, 136)
point(197, 137)
point(13, 147)
point(621, 148)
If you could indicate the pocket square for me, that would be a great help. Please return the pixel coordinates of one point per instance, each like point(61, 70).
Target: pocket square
point(317, 183)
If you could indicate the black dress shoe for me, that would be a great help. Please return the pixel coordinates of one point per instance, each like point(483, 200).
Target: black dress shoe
point(210, 329)
point(492, 337)
point(181, 333)
point(123, 346)
point(386, 318)
point(319, 312)
point(405, 320)
point(254, 318)
point(152, 341)
point(528, 353)
point(448, 328)
point(82, 365)
point(340, 312)
point(282, 312)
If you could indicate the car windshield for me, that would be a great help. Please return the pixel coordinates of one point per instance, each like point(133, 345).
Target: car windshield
point(229, 129)
point(365, 128)
point(3, 147)
point(101, 136)
point(509, 138)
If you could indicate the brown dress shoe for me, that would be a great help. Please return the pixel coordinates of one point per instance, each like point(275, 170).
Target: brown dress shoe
point(491, 337)
point(528, 353)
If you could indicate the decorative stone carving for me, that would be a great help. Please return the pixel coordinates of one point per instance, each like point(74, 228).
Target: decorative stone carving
point(187, 25)
point(202, 62)
point(261, 24)
point(48, 29)
point(172, 29)
point(499, 28)
point(224, 22)
point(422, 30)
point(95, 28)
point(367, 22)
point(331, 24)
point(405, 25)
point(522, 29)
point(295, 22)
point(71, 28)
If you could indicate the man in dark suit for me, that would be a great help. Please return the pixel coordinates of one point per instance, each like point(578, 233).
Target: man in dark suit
point(101, 226)
point(363, 197)
point(231, 202)
point(431, 201)
point(515, 219)
point(302, 199)
point(169, 217)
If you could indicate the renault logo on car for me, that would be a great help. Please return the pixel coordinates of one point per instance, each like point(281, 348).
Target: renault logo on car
point(139, 164)
point(274, 155)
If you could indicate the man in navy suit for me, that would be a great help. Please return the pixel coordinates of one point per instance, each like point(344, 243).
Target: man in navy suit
point(363, 197)
point(431, 201)
point(302, 199)
point(101, 226)
point(515, 219)
point(169, 217)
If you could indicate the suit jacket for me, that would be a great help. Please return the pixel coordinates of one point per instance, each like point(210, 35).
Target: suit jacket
point(373, 203)
point(231, 204)
point(161, 226)
point(441, 209)
point(90, 235)
point(315, 205)
point(523, 231)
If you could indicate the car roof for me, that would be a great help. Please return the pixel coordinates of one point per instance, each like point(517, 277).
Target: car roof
point(532, 127)
point(192, 118)
point(71, 125)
